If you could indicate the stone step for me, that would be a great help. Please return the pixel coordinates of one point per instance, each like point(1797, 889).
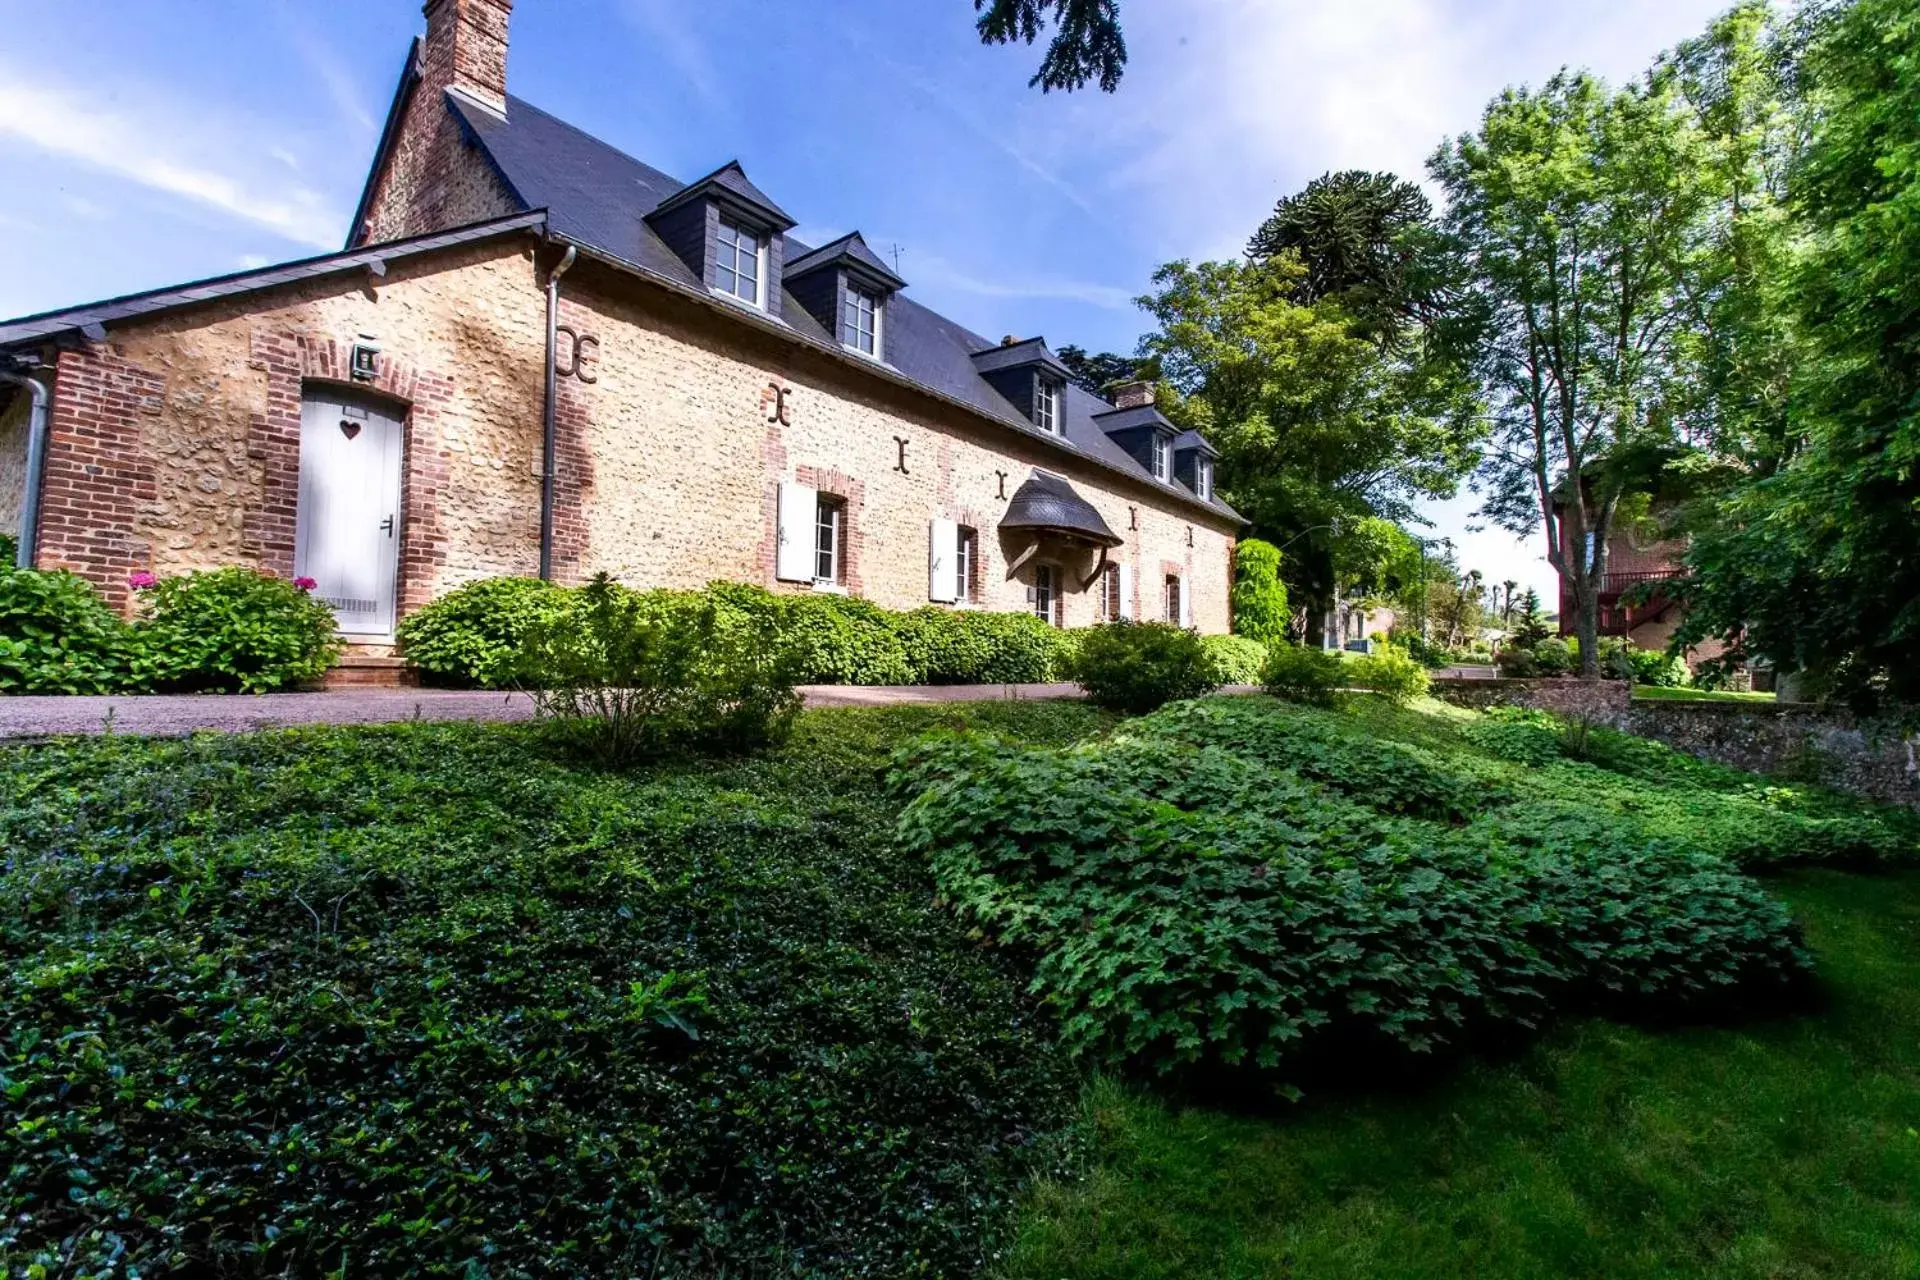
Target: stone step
point(370, 671)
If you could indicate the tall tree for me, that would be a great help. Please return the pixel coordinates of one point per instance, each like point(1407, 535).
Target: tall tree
point(1087, 43)
point(1318, 427)
point(1815, 565)
point(1096, 373)
point(1361, 238)
point(1574, 212)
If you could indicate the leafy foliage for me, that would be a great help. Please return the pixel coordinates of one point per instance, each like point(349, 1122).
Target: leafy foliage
point(58, 636)
point(425, 1000)
point(1258, 596)
point(1235, 659)
point(1391, 672)
point(1087, 46)
point(1189, 899)
point(1137, 666)
point(471, 636)
point(233, 629)
point(1304, 673)
point(1361, 237)
point(970, 646)
point(625, 675)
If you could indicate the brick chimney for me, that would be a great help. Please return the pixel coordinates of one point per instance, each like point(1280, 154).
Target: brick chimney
point(1133, 395)
point(466, 49)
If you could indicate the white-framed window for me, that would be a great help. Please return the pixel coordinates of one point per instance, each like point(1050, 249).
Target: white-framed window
point(1046, 406)
point(1046, 593)
point(1203, 475)
point(829, 539)
point(741, 264)
point(1173, 599)
point(966, 553)
point(1110, 610)
point(1161, 452)
point(860, 321)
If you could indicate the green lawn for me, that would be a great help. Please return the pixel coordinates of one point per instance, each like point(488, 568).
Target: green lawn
point(1788, 1148)
point(1661, 693)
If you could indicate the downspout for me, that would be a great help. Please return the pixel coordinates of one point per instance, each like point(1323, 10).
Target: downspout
point(549, 446)
point(36, 464)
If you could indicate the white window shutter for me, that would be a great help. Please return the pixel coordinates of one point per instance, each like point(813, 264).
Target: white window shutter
point(943, 561)
point(799, 510)
point(1186, 604)
point(1127, 610)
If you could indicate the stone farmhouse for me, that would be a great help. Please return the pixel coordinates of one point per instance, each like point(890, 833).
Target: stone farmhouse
point(537, 355)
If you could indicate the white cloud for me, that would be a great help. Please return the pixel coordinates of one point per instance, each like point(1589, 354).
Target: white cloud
point(935, 271)
point(665, 24)
point(251, 261)
point(81, 207)
point(157, 150)
point(1230, 104)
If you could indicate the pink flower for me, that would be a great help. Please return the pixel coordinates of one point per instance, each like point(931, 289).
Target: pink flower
point(305, 584)
point(141, 581)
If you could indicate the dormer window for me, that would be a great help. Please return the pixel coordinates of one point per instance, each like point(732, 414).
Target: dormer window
point(741, 265)
point(1046, 406)
point(860, 321)
point(1162, 452)
point(1203, 476)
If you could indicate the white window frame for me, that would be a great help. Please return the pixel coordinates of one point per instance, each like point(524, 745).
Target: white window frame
point(1112, 607)
point(829, 538)
point(1203, 475)
point(875, 315)
point(1047, 406)
point(966, 547)
point(1162, 455)
point(741, 232)
point(1046, 598)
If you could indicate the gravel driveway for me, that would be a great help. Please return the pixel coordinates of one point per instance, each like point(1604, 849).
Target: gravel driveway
point(172, 715)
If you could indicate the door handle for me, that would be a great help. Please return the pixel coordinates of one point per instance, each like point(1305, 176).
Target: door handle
point(386, 526)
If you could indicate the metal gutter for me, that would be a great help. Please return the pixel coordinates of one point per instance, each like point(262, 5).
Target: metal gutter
point(36, 465)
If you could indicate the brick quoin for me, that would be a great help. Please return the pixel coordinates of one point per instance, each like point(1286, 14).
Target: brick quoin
point(97, 474)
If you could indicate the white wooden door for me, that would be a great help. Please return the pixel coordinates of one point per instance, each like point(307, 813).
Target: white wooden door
point(347, 535)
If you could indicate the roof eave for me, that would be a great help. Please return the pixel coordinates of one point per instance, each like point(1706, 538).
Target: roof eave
point(389, 134)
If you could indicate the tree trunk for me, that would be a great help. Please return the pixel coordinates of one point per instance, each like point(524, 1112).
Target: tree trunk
point(1586, 626)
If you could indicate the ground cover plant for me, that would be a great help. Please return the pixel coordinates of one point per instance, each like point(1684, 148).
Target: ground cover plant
point(1240, 883)
point(429, 999)
point(1783, 1146)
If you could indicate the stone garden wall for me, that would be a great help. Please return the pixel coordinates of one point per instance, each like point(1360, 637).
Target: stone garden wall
point(1793, 742)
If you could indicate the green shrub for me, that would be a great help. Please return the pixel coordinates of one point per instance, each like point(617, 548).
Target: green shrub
point(9, 550)
point(1251, 920)
point(836, 639)
point(58, 636)
point(1392, 673)
point(971, 646)
point(233, 630)
point(426, 1000)
point(1516, 662)
point(1556, 657)
point(625, 675)
point(1235, 659)
point(1660, 668)
point(470, 637)
point(1136, 666)
point(1303, 673)
point(1258, 597)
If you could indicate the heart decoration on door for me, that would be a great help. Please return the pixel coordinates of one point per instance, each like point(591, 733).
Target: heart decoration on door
point(349, 429)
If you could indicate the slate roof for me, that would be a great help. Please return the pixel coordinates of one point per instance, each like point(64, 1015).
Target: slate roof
point(729, 180)
point(598, 197)
point(1193, 440)
point(1047, 502)
point(850, 249)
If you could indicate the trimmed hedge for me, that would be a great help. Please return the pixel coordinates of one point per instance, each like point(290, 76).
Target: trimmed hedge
point(468, 637)
point(1235, 659)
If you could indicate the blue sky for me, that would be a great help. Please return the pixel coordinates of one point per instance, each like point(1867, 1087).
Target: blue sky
point(144, 143)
